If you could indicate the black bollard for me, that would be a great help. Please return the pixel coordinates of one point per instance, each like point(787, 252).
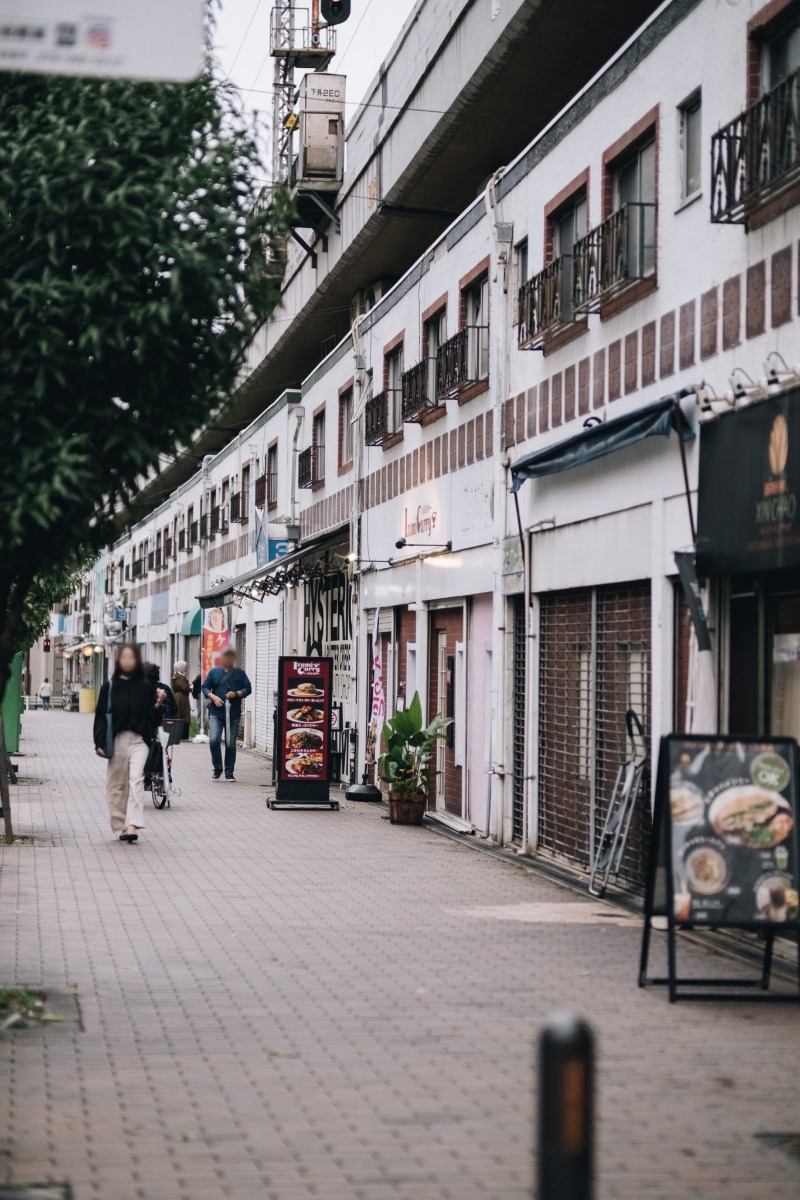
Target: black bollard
point(566, 1109)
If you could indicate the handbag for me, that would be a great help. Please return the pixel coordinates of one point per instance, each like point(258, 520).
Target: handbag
point(154, 764)
point(109, 747)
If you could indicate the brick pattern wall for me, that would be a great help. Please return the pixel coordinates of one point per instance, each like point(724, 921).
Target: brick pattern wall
point(645, 355)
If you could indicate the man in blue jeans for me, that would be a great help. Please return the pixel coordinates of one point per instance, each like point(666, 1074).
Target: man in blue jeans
point(225, 687)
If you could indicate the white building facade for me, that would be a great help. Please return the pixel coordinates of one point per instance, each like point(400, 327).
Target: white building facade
point(644, 246)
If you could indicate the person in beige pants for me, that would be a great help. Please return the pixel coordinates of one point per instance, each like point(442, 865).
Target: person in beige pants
point(132, 703)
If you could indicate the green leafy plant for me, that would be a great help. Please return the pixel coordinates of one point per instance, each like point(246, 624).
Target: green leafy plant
point(406, 763)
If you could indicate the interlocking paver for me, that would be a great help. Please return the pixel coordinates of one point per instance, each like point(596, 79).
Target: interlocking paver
point(317, 1006)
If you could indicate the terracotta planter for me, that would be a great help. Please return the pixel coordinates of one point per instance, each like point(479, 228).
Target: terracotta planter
point(406, 812)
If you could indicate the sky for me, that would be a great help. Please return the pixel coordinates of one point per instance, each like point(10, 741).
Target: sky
point(242, 43)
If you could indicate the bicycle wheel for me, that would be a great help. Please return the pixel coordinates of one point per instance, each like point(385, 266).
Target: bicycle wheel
point(157, 791)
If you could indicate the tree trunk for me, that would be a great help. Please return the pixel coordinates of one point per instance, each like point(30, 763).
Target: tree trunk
point(5, 791)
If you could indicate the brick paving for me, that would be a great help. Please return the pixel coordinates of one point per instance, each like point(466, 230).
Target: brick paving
point(301, 1005)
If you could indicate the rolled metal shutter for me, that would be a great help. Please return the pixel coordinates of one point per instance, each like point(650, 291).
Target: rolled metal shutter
point(595, 648)
point(518, 719)
point(262, 711)
point(272, 680)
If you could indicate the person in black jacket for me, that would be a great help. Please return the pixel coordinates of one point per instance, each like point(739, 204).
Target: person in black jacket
point(135, 710)
point(169, 709)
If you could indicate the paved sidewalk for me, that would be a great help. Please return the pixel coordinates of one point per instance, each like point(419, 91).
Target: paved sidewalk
point(301, 1005)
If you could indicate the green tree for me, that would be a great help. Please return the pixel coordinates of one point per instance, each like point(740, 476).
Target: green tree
point(137, 263)
point(49, 586)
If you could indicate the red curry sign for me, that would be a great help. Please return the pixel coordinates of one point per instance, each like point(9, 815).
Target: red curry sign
point(304, 720)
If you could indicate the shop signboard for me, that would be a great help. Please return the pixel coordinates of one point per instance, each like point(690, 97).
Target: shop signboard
point(748, 517)
point(304, 730)
point(725, 839)
point(113, 38)
point(216, 636)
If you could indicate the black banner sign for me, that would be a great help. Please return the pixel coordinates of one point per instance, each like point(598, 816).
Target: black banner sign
point(749, 489)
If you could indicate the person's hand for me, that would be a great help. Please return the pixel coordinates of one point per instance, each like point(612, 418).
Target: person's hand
point(216, 700)
point(99, 751)
point(231, 695)
point(161, 696)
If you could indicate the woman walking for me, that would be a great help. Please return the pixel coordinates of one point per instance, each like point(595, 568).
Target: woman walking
point(181, 690)
point(127, 710)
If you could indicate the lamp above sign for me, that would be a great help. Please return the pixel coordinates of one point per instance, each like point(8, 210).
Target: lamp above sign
point(114, 39)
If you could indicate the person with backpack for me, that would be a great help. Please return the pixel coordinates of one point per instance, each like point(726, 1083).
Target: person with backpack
point(225, 687)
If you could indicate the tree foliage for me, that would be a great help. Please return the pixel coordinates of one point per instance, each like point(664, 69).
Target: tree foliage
point(133, 250)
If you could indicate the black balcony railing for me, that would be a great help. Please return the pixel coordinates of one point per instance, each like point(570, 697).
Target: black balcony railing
point(169, 549)
point(259, 495)
point(311, 466)
point(416, 398)
point(539, 306)
point(376, 424)
point(137, 568)
point(216, 519)
point(194, 533)
point(272, 489)
point(181, 539)
point(462, 360)
point(203, 528)
point(757, 155)
point(236, 507)
point(614, 255)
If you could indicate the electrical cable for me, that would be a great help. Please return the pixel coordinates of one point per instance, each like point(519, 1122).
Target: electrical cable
point(244, 39)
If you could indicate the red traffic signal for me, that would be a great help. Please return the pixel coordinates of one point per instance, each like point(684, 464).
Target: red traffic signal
point(334, 11)
point(46, 646)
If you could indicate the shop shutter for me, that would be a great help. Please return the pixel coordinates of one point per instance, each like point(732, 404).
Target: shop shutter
point(272, 680)
point(518, 718)
point(260, 690)
point(595, 663)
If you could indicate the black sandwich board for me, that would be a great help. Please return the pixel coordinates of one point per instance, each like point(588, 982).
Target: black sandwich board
point(724, 853)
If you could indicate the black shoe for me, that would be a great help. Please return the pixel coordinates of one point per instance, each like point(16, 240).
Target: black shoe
point(230, 779)
point(216, 774)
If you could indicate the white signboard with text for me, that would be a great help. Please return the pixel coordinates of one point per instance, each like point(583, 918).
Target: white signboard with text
point(147, 39)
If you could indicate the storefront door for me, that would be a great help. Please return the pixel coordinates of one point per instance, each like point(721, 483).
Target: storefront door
point(763, 620)
point(447, 630)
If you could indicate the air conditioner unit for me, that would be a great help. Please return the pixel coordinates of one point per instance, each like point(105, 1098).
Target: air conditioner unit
point(320, 163)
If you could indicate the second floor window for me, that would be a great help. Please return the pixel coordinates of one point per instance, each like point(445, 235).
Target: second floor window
point(568, 226)
point(346, 428)
point(272, 476)
point(476, 320)
point(633, 182)
point(318, 448)
point(435, 336)
point(691, 150)
point(780, 56)
point(394, 390)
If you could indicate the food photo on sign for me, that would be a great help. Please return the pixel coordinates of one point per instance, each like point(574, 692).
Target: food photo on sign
point(305, 716)
point(733, 832)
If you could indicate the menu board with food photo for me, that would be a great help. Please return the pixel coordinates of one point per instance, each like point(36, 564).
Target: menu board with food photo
point(304, 723)
point(732, 819)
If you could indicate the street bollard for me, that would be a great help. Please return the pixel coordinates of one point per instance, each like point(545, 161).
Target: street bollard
point(566, 1109)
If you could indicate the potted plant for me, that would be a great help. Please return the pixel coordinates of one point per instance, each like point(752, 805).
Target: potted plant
point(405, 764)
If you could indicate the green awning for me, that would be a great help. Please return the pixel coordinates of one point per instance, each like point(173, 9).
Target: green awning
point(192, 623)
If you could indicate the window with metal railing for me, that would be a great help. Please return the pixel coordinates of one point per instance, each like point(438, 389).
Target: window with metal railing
point(272, 476)
point(236, 507)
point(181, 539)
point(375, 422)
point(614, 255)
point(415, 398)
point(539, 307)
point(260, 491)
point(216, 519)
point(305, 468)
point(756, 156)
point(137, 568)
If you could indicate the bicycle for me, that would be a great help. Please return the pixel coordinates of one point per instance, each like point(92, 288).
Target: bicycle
point(159, 783)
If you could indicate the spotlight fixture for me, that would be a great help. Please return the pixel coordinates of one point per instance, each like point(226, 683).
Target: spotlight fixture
point(402, 544)
point(779, 373)
point(745, 388)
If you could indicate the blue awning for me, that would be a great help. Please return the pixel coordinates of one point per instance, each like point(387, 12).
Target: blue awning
point(660, 417)
point(192, 623)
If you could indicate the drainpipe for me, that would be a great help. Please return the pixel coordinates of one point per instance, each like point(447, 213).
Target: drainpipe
point(502, 235)
point(299, 416)
point(204, 541)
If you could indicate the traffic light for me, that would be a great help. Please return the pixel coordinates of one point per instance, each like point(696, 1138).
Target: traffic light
point(46, 646)
point(334, 11)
